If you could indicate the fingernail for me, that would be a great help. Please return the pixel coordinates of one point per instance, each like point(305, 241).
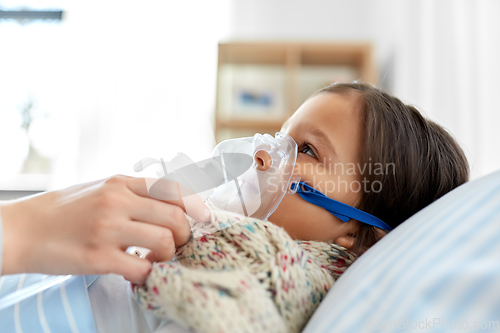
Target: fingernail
point(208, 214)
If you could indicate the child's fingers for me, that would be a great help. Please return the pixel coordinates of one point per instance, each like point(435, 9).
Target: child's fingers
point(158, 239)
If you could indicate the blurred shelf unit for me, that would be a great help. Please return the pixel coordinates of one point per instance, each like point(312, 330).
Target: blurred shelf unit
point(261, 84)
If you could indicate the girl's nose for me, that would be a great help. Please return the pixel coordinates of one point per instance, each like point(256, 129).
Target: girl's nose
point(263, 160)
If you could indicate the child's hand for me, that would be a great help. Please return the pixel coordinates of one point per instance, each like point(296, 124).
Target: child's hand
point(86, 229)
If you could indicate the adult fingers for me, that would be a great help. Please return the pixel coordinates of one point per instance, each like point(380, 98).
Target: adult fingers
point(133, 269)
point(171, 192)
point(152, 257)
point(160, 189)
point(196, 208)
point(153, 237)
point(162, 214)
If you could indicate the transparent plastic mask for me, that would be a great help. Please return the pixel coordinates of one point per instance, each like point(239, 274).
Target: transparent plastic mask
point(259, 190)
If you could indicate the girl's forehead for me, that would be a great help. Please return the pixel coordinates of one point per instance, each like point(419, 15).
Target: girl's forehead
point(323, 109)
point(329, 120)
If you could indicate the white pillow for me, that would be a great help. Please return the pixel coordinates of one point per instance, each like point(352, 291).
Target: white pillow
point(438, 271)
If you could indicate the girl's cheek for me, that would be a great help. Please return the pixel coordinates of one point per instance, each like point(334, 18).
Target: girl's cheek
point(305, 166)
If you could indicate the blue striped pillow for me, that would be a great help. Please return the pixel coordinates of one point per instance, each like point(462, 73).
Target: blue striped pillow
point(438, 271)
point(63, 307)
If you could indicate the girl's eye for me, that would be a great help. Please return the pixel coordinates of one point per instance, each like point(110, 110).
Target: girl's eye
point(306, 149)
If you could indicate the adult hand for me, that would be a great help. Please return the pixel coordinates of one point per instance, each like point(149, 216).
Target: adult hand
point(86, 229)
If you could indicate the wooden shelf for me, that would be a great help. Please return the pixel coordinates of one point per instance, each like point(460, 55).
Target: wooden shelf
point(296, 59)
point(245, 123)
point(248, 53)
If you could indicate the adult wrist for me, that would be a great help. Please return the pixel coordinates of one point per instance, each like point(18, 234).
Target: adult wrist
point(12, 257)
point(1, 240)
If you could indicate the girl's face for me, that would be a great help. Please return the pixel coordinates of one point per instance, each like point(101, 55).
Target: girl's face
point(328, 132)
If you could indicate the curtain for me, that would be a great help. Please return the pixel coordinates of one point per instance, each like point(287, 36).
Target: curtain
point(447, 64)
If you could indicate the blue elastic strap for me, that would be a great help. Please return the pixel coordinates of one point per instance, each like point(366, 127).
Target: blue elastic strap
point(340, 210)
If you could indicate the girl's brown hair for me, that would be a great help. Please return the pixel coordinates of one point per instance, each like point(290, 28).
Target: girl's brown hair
point(421, 160)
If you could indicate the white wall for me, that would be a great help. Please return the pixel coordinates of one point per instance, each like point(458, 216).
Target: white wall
point(438, 55)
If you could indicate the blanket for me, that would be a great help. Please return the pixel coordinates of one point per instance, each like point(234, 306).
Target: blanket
point(248, 277)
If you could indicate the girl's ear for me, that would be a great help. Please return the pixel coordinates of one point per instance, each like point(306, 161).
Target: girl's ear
point(380, 233)
point(348, 237)
point(346, 241)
